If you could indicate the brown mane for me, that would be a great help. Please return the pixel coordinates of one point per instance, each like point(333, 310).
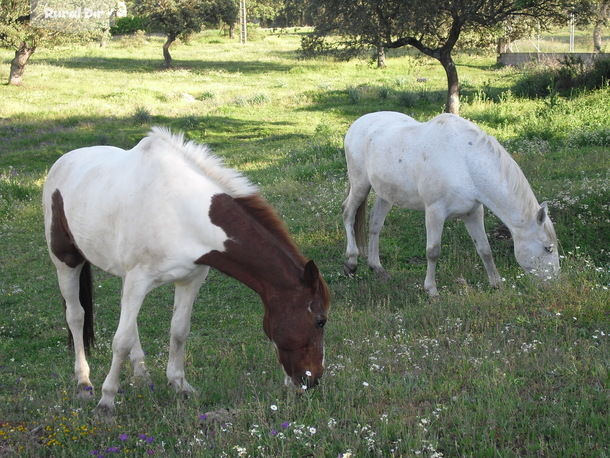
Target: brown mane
point(259, 208)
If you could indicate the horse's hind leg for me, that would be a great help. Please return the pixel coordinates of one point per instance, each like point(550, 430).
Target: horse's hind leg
point(68, 278)
point(476, 228)
point(354, 208)
point(435, 220)
point(378, 214)
point(180, 328)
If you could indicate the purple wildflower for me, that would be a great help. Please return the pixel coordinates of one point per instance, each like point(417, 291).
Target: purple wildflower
point(113, 449)
point(203, 416)
point(123, 437)
point(286, 424)
point(273, 432)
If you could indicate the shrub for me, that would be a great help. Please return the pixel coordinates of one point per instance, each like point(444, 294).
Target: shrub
point(570, 74)
point(129, 24)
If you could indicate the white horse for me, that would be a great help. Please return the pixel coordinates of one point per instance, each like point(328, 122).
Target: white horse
point(449, 168)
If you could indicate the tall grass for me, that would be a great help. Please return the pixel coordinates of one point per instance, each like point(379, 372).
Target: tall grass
point(518, 371)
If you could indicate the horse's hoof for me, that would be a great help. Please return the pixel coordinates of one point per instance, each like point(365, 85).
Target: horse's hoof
point(104, 412)
point(382, 275)
point(182, 388)
point(84, 391)
point(142, 379)
point(349, 269)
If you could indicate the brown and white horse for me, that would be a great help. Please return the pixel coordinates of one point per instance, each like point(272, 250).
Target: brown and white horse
point(165, 212)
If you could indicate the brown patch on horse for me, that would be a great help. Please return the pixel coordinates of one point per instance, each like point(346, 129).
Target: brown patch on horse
point(62, 242)
point(65, 249)
point(266, 232)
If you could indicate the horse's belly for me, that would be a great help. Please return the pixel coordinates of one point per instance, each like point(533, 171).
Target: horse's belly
point(403, 194)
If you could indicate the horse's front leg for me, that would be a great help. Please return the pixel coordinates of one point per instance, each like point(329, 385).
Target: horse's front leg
point(379, 212)
point(137, 356)
point(68, 279)
point(434, 232)
point(476, 228)
point(180, 328)
point(125, 338)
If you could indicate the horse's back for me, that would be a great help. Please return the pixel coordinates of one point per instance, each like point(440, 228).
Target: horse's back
point(413, 164)
point(134, 207)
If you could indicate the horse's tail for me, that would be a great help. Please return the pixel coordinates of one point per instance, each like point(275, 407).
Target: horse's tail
point(360, 229)
point(85, 295)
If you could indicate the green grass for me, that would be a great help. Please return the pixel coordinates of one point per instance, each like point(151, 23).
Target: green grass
point(519, 371)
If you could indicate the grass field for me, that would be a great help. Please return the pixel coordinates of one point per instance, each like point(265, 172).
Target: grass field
point(519, 371)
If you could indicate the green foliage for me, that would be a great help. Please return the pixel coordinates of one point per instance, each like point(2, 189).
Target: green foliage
point(571, 74)
point(128, 24)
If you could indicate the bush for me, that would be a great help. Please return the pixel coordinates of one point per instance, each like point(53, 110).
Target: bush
point(312, 45)
point(129, 24)
point(570, 74)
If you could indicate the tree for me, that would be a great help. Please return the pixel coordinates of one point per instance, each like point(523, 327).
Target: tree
point(24, 25)
point(597, 13)
point(431, 26)
point(16, 33)
point(181, 18)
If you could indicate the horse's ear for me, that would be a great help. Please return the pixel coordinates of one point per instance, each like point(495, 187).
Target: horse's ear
point(542, 213)
point(311, 275)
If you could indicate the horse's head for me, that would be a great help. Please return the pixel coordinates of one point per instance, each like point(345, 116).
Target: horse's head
point(536, 246)
point(294, 322)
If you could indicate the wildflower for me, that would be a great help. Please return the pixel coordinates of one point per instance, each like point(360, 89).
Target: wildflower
point(312, 430)
point(273, 407)
point(203, 416)
point(308, 373)
point(273, 432)
point(113, 450)
point(285, 425)
point(365, 384)
point(123, 437)
point(241, 451)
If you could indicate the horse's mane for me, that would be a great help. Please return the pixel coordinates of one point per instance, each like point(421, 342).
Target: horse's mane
point(517, 182)
point(233, 182)
point(260, 209)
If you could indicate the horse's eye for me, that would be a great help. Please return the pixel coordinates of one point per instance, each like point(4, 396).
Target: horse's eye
point(321, 322)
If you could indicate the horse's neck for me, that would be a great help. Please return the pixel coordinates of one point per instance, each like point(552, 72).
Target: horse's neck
point(253, 254)
point(511, 198)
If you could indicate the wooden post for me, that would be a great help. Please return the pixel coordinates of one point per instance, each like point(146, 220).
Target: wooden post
point(243, 22)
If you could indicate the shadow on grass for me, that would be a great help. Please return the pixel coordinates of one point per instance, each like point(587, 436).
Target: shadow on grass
point(145, 65)
point(33, 146)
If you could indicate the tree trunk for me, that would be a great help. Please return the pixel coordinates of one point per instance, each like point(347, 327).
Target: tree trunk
point(18, 64)
point(380, 56)
point(105, 35)
point(453, 84)
point(599, 27)
point(597, 38)
point(166, 55)
point(503, 45)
